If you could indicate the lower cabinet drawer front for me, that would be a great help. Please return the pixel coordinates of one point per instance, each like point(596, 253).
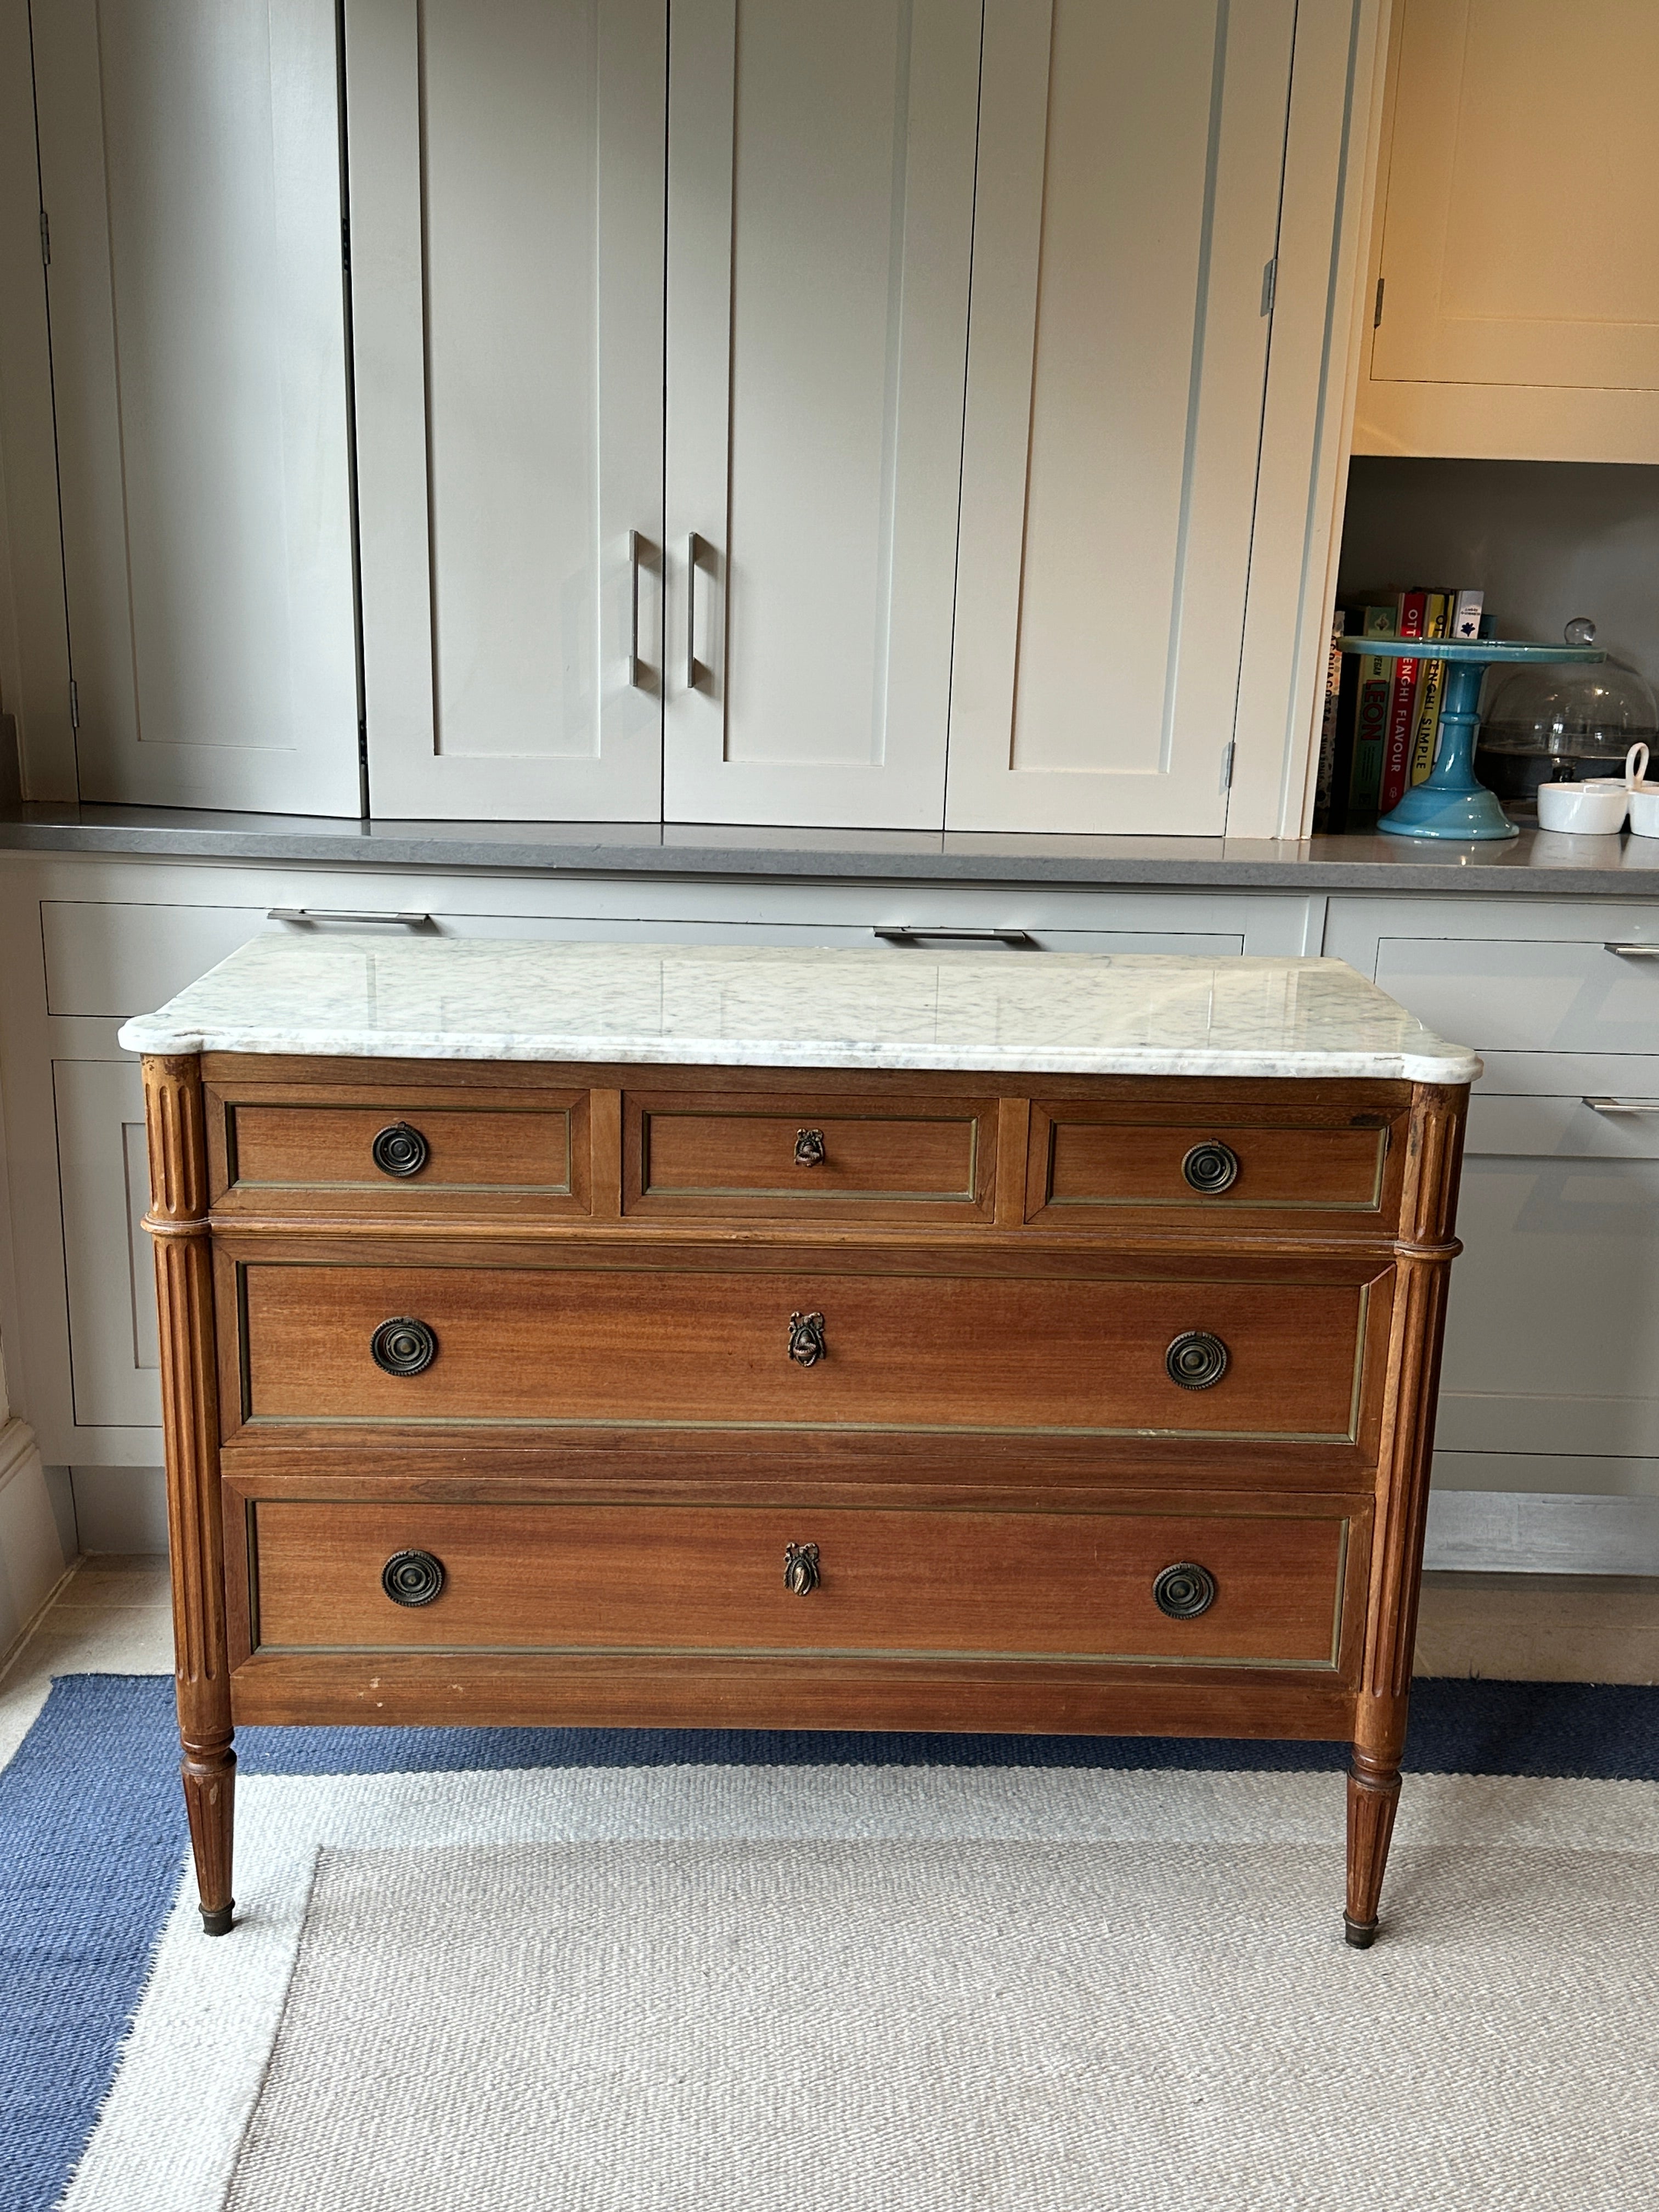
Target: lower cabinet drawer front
point(712, 1579)
point(604, 1345)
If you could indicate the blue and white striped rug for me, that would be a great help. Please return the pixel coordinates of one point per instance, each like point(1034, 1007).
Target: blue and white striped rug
point(132, 2049)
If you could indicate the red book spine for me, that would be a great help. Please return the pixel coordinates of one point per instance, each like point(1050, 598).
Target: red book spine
point(1402, 712)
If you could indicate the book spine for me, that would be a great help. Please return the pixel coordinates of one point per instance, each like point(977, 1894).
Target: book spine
point(1370, 730)
point(1466, 616)
point(1397, 755)
point(1431, 684)
point(1325, 785)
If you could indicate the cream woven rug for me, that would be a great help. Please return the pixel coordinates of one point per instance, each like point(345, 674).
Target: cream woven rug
point(900, 1990)
point(731, 2028)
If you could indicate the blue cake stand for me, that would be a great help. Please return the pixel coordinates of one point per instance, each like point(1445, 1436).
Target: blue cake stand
point(1449, 803)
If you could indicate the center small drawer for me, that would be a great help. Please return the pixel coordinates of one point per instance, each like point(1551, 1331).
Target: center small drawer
point(1209, 1590)
point(807, 1157)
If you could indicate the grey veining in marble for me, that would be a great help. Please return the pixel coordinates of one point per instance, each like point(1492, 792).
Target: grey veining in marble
point(1537, 863)
point(760, 1006)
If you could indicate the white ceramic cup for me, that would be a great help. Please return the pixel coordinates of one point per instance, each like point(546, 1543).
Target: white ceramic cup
point(1644, 809)
point(1594, 810)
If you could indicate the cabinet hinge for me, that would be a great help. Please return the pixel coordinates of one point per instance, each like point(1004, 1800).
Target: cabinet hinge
point(345, 244)
point(1269, 280)
point(1376, 312)
point(45, 238)
point(75, 705)
point(1226, 767)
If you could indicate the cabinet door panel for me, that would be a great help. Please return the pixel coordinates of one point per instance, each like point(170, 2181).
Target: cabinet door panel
point(506, 180)
point(190, 169)
point(104, 1171)
point(1512, 254)
point(1129, 171)
point(821, 165)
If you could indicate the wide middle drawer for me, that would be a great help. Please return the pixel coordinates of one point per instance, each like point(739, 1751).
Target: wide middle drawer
point(1280, 1358)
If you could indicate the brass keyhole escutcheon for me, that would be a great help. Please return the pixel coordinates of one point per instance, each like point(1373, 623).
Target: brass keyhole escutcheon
point(806, 1344)
point(809, 1148)
point(800, 1569)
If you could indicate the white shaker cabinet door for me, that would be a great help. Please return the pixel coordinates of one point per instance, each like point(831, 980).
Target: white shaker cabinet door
point(1130, 161)
point(820, 223)
point(191, 179)
point(505, 161)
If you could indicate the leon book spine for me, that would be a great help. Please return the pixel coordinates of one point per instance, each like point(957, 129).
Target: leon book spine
point(1397, 754)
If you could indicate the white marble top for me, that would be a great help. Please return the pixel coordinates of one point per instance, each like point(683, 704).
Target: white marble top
point(436, 998)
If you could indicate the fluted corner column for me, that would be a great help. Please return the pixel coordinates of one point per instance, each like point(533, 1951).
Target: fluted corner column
point(178, 1223)
point(1423, 1262)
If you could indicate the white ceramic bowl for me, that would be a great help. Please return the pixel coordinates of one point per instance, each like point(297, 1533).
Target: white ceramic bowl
point(1644, 809)
point(1591, 810)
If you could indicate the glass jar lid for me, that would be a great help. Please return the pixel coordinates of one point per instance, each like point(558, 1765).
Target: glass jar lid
point(1594, 711)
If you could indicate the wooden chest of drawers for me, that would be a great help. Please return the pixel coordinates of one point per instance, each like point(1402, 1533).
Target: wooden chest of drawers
point(591, 1392)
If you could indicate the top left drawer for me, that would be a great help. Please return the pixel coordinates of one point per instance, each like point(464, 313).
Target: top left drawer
point(298, 1149)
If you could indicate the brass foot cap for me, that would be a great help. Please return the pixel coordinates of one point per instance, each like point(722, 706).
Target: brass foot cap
point(216, 1919)
point(1362, 1934)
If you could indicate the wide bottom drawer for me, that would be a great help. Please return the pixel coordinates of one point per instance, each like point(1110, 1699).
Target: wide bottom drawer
point(1211, 1589)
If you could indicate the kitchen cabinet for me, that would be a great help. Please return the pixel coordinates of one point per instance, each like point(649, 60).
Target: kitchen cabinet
point(1130, 171)
point(1552, 1340)
point(1516, 249)
point(189, 189)
point(506, 165)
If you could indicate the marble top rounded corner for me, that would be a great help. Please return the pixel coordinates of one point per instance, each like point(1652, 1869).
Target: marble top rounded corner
point(438, 998)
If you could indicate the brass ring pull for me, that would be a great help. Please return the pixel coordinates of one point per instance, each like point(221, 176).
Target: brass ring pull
point(1196, 1360)
point(1184, 1591)
point(800, 1569)
point(808, 1148)
point(1211, 1168)
point(412, 1578)
point(399, 1150)
point(404, 1346)
point(806, 1344)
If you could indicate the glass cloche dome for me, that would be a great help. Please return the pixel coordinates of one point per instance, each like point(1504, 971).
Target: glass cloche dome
point(1562, 723)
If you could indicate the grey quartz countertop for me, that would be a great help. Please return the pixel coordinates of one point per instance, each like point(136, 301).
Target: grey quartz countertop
point(1538, 863)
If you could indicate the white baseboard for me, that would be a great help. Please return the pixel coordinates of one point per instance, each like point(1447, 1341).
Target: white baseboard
point(1533, 1533)
point(32, 1558)
point(121, 1508)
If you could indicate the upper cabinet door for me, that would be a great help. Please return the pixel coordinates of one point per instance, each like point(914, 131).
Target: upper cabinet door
point(506, 165)
point(190, 175)
point(820, 226)
point(1130, 164)
point(1518, 309)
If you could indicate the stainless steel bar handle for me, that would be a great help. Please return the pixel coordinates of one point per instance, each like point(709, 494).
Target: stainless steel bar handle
point(1634, 951)
point(348, 914)
point(693, 547)
point(905, 932)
point(1622, 1105)
point(634, 542)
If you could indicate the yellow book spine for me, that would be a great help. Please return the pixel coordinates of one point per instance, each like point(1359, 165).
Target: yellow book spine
point(1431, 686)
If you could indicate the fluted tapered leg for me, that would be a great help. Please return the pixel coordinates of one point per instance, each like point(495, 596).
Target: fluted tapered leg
point(190, 1416)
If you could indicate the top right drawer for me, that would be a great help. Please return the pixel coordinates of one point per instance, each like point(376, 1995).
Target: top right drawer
point(1332, 1156)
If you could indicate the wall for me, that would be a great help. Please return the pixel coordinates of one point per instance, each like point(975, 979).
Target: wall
point(1548, 540)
